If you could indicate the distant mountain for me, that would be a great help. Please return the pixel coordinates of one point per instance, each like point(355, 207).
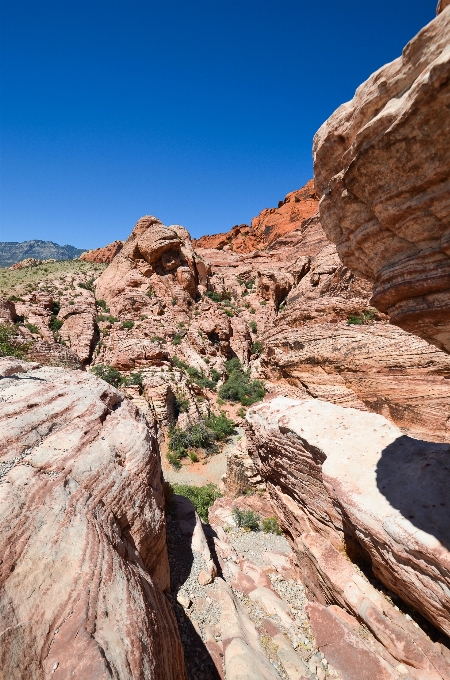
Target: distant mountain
point(12, 251)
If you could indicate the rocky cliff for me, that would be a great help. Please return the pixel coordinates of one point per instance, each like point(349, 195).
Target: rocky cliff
point(103, 255)
point(269, 225)
point(382, 168)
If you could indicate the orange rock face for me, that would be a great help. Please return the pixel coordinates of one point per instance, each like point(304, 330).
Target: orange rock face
point(84, 562)
point(269, 225)
point(103, 255)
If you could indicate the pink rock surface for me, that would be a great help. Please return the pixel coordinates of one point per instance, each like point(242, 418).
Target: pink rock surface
point(346, 481)
point(382, 168)
point(84, 564)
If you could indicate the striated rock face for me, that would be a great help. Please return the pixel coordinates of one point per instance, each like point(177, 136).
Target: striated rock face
point(155, 262)
point(269, 225)
point(103, 255)
point(347, 482)
point(376, 367)
point(382, 168)
point(84, 564)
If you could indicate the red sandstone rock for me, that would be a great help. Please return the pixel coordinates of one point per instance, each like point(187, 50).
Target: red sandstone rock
point(269, 225)
point(84, 565)
point(382, 169)
point(106, 254)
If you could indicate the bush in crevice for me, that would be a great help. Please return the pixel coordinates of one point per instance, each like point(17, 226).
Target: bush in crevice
point(246, 519)
point(362, 318)
point(203, 434)
point(10, 345)
point(108, 374)
point(239, 387)
point(270, 526)
point(202, 497)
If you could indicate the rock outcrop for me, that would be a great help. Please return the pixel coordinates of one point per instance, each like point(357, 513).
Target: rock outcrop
point(349, 483)
point(156, 265)
point(103, 255)
point(382, 168)
point(268, 226)
point(84, 563)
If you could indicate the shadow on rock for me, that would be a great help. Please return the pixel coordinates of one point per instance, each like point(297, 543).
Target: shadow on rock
point(414, 476)
point(199, 664)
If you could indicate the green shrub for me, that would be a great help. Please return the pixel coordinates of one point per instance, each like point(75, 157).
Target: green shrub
point(181, 404)
point(253, 310)
point(215, 375)
point(253, 326)
point(361, 318)
point(239, 387)
point(108, 374)
point(106, 317)
point(246, 519)
point(257, 348)
point(127, 324)
point(174, 459)
point(32, 327)
point(150, 293)
point(222, 426)
point(9, 344)
point(174, 301)
point(271, 526)
point(215, 297)
point(158, 338)
point(135, 379)
point(177, 338)
point(193, 456)
point(263, 303)
point(228, 312)
point(88, 285)
point(55, 323)
point(102, 304)
point(202, 497)
point(197, 377)
point(241, 412)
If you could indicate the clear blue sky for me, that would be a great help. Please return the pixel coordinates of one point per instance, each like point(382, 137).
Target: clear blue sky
point(200, 112)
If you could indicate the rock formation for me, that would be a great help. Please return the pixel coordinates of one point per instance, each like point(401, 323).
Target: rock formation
point(103, 255)
point(345, 482)
point(382, 168)
point(84, 563)
point(268, 226)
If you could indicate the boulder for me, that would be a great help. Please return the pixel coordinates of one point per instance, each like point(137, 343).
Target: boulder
point(344, 481)
point(382, 168)
point(103, 255)
point(84, 563)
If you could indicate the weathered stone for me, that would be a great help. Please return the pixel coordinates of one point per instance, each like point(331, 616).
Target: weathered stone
point(84, 564)
point(382, 169)
point(346, 480)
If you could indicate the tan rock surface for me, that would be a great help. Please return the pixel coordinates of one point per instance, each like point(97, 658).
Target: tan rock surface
point(382, 168)
point(84, 563)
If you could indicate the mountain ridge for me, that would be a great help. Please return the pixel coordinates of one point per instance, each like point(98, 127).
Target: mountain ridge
point(15, 251)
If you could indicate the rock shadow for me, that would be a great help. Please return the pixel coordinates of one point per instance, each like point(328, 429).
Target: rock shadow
point(414, 476)
point(199, 663)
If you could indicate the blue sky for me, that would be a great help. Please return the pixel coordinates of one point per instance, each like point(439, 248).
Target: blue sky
point(200, 112)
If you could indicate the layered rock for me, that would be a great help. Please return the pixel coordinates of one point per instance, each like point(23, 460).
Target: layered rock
point(382, 168)
point(349, 483)
point(103, 255)
point(84, 564)
point(156, 261)
point(269, 225)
